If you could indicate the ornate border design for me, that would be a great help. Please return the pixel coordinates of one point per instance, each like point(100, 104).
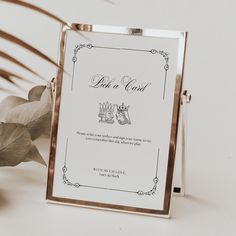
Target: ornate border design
point(67, 182)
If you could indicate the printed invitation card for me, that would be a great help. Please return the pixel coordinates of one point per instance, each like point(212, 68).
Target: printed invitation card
point(116, 118)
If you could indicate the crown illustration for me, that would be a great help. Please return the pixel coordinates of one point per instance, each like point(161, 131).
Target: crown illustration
point(122, 107)
point(106, 107)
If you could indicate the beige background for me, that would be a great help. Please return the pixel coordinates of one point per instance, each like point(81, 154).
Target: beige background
point(209, 207)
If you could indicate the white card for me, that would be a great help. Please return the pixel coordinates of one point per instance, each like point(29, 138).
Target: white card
point(116, 116)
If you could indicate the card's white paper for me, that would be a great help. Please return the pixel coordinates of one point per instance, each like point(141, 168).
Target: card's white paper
point(115, 119)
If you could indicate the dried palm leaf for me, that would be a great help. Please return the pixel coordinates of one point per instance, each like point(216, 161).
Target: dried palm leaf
point(8, 57)
point(35, 8)
point(44, 12)
point(7, 75)
point(25, 45)
point(10, 74)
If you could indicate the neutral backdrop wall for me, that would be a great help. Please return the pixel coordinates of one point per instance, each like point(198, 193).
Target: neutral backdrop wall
point(209, 76)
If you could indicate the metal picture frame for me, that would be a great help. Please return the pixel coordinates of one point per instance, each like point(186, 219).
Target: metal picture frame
point(80, 28)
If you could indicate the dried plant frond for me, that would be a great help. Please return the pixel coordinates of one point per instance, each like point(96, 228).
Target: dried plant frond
point(35, 8)
point(25, 45)
point(7, 75)
point(10, 58)
point(45, 12)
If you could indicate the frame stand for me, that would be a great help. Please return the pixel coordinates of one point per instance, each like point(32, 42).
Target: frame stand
point(181, 153)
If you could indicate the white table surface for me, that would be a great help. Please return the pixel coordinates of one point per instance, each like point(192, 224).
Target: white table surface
point(209, 207)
